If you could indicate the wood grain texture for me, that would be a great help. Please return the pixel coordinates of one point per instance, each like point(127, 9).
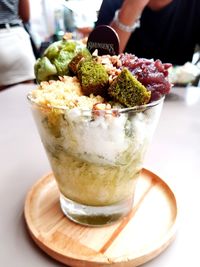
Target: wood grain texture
point(137, 238)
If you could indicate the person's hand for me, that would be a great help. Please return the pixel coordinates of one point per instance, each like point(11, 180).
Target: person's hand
point(128, 14)
point(133, 8)
point(138, 4)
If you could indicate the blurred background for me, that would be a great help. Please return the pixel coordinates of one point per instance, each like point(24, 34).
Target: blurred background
point(51, 19)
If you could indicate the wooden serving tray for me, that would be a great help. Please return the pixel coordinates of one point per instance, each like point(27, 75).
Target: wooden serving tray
point(136, 239)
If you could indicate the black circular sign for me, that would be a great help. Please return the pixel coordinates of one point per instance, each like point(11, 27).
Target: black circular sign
point(105, 39)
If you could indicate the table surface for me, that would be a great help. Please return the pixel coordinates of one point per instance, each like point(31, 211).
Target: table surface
point(174, 156)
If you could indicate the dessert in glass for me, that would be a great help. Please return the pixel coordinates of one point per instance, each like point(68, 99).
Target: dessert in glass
point(96, 124)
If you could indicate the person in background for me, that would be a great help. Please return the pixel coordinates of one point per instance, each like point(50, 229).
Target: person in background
point(161, 29)
point(16, 54)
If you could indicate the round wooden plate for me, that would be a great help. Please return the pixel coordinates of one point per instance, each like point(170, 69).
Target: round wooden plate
point(134, 240)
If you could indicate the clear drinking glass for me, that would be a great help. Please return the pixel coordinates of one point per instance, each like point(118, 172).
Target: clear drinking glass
point(96, 157)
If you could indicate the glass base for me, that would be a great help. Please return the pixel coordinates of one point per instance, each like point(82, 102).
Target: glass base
point(95, 215)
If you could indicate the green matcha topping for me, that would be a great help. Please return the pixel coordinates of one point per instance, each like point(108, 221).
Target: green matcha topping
point(127, 90)
point(93, 77)
point(55, 59)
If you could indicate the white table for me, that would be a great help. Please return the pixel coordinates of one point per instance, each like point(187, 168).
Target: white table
point(174, 156)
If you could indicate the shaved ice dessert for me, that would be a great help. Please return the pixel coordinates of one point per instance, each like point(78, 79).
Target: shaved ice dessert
point(96, 123)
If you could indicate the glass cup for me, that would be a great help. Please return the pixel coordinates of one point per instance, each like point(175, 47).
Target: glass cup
point(96, 157)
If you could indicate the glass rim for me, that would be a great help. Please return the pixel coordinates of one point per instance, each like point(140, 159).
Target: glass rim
point(109, 111)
